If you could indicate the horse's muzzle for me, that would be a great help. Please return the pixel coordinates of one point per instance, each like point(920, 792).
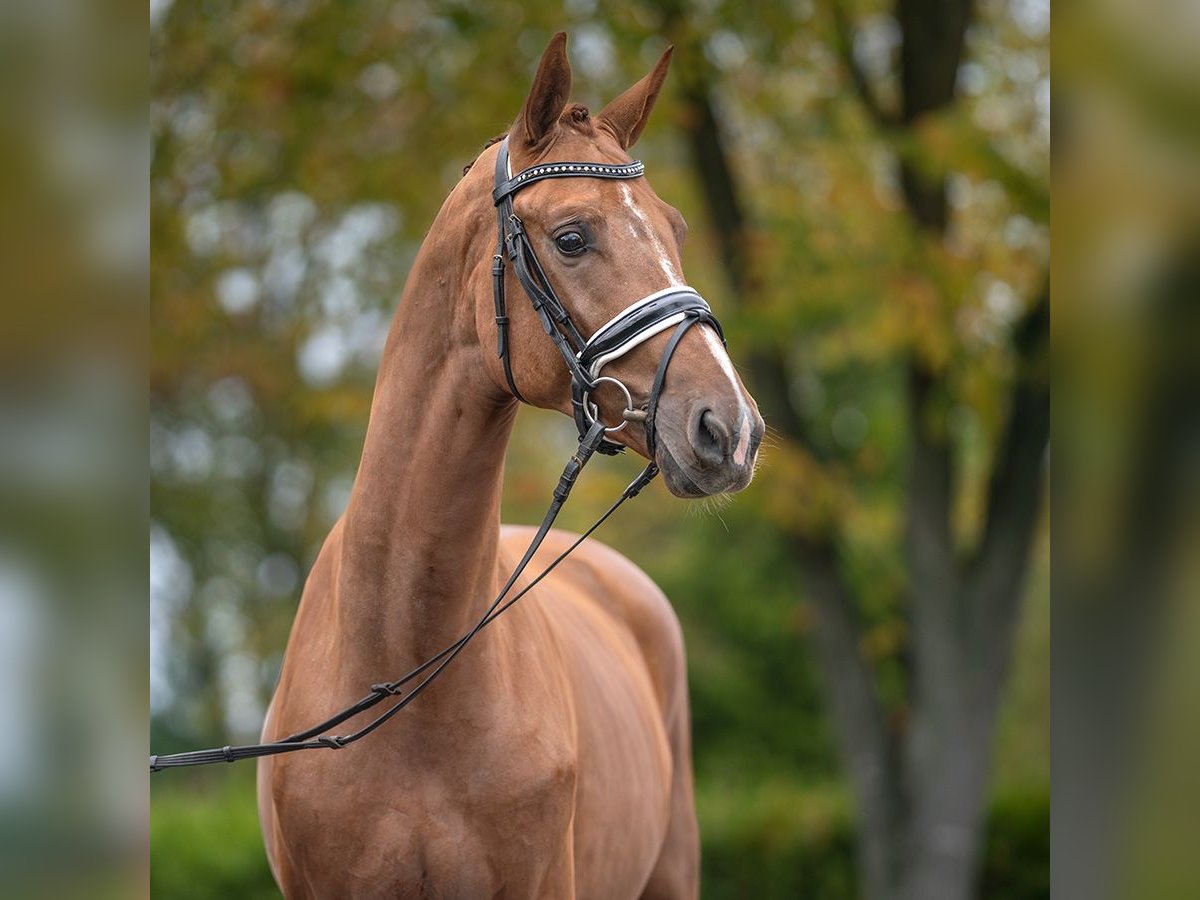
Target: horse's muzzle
point(708, 451)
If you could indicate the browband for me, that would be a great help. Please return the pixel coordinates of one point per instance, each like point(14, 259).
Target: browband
point(528, 176)
point(677, 307)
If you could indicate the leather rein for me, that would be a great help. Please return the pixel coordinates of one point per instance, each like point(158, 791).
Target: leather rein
point(673, 307)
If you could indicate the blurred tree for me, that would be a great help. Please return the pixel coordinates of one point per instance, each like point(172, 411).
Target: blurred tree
point(919, 757)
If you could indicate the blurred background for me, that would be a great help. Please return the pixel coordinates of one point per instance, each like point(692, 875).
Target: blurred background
point(868, 192)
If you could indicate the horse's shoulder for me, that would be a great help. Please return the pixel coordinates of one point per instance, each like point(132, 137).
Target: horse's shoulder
point(612, 582)
point(615, 569)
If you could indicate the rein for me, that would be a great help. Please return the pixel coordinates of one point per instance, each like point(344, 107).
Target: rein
point(674, 307)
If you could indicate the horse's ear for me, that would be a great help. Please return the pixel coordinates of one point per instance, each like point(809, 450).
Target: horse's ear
point(627, 114)
point(549, 94)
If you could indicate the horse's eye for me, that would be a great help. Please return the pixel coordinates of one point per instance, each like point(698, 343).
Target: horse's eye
point(570, 243)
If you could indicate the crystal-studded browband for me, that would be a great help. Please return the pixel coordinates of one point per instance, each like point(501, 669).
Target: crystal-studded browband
point(635, 169)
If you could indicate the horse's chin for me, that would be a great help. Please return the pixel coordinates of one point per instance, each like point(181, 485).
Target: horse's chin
point(691, 483)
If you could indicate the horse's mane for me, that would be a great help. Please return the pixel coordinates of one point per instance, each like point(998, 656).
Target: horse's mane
point(495, 140)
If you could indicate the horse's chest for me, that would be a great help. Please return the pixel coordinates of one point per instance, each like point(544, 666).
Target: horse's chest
point(470, 814)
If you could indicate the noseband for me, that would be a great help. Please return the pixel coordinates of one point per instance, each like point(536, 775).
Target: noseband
point(679, 307)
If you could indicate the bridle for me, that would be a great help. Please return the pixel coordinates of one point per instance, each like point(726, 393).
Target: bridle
point(678, 307)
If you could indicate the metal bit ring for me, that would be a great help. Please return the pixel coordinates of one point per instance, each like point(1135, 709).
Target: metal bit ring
point(592, 411)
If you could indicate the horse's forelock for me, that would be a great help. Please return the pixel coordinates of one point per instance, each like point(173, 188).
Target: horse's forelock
point(576, 114)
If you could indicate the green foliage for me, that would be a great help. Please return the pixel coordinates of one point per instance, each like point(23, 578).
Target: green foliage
point(776, 840)
point(204, 839)
point(1016, 863)
point(734, 589)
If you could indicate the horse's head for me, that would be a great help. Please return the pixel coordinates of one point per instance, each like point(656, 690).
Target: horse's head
point(604, 245)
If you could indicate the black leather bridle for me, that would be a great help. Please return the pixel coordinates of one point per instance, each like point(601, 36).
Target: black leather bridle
point(679, 307)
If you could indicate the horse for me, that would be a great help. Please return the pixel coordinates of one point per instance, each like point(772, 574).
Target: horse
point(553, 759)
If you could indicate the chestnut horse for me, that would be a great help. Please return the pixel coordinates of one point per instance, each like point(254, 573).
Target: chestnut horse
point(553, 757)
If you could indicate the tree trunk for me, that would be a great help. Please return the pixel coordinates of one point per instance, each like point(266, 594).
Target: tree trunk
point(866, 743)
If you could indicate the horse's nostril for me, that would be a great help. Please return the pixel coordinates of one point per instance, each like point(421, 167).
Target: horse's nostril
point(710, 438)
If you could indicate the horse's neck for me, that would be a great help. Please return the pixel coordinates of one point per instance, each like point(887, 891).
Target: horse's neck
point(419, 541)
